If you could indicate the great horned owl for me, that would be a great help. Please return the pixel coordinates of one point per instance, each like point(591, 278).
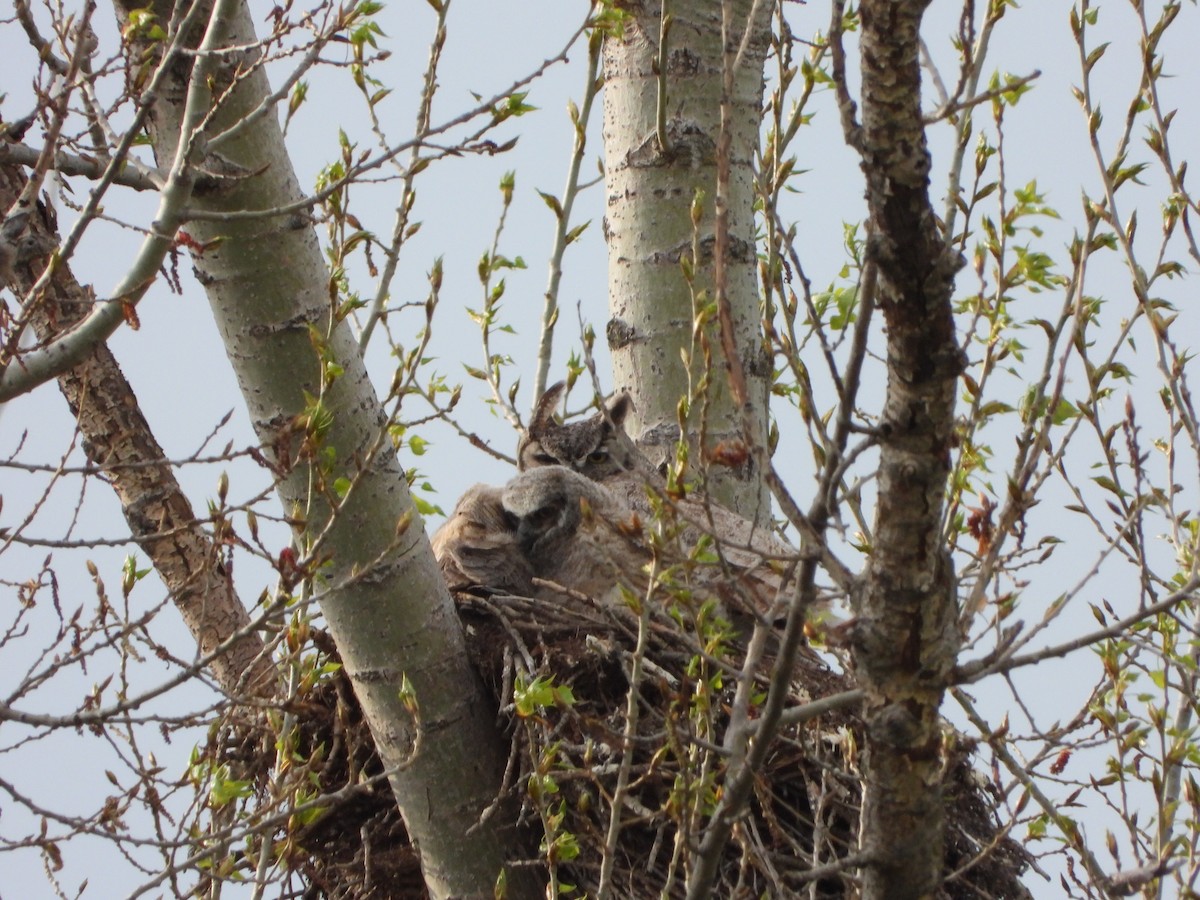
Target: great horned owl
point(477, 548)
point(577, 515)
point(599, 449)
point(550, 522)
point(596, 448)
point(556, 525)
point(574, 532)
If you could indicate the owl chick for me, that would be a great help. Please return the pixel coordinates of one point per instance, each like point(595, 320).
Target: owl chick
point(554, 524)
point(584, 536)
point(550, 522)
point(596, 448)
point(477, 548)
point(574, 532)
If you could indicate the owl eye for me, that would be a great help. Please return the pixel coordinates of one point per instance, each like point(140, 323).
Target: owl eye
point(544, 459)
point(598, 455)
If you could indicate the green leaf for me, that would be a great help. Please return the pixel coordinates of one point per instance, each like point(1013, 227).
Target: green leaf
point(552, 202)
point(408, 695)
point(1108, 484)
point(541, 693)
point(575, 232)
point(1064, 412)
point(225, 789)
point(1037, 828)
point(1094, 57)
point(425, 508)
point(514, 105)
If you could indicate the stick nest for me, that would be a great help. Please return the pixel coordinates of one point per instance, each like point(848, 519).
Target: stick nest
point(561, 674)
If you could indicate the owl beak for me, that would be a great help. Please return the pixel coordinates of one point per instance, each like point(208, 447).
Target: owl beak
point(532, 527)
point(526, 536)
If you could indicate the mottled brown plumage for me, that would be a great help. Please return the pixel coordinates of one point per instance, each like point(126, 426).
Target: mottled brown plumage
point(553, 524)
point(578, 516)
point(596, 448)
point(574, 532)
point(477, 547)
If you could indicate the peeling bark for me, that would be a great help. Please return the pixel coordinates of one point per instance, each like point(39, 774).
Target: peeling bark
point(907, 640)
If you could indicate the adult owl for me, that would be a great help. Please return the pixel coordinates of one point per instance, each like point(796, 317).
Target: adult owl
point(599, 449)
point(596, 448)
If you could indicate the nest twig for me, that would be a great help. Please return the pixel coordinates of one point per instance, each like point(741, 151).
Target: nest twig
point(799, 835)
point(797, 838)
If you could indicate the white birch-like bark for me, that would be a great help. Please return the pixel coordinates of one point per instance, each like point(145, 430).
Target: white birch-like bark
point(649, 229)
point(381, 592)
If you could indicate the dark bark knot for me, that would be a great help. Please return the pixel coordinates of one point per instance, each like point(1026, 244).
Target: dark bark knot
point(757, 362)
point(895, 725)
point(292, 324)
point(619, 333)
point(739, 251)
point(682, 63)
point(688, 144)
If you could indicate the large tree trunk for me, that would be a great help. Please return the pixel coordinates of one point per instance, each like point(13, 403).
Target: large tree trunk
point(907, 638)
point(379, 587)
point(651, 236)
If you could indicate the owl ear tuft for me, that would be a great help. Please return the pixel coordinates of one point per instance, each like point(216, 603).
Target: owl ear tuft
point(619, 407)
point(543, 411)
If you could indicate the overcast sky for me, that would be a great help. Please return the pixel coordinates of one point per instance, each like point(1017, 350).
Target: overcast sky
point(178, 369)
